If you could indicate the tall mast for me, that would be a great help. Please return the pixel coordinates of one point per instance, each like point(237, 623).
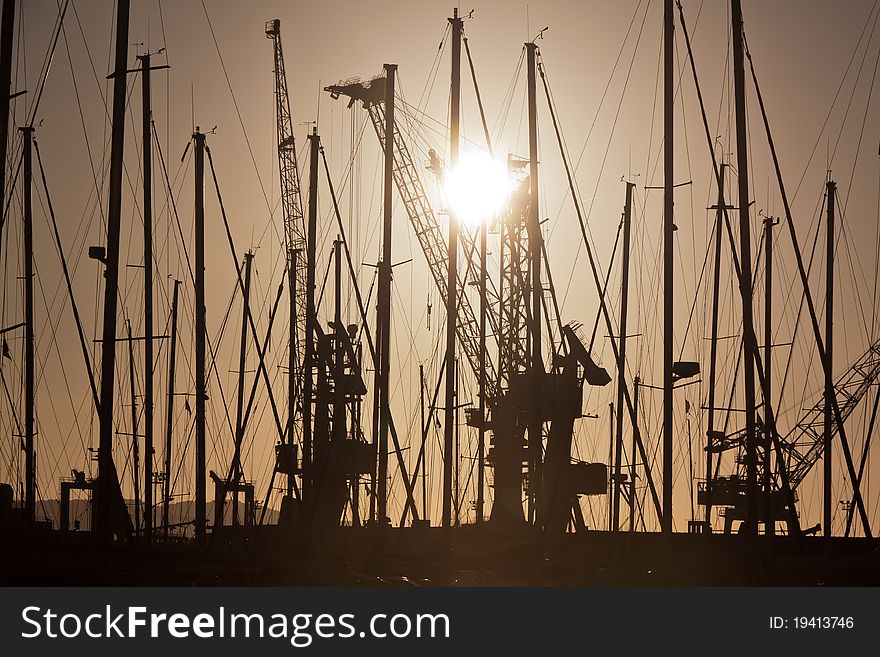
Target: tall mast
point(634, 418)
point(148, 298)
point(309, 448)
point(339, 422)
point(611, 441)
point(200, 329)
point(713, 343)
point(481, 429)
point(135, 456)
point(769, 425)
point(827, 460)
point(384, 302)
point(340, 416)
point(621, 359)
point(242, 364)
point(668, 264)
point(30, 488)
point(107, 478)
point(534, 231)
point(424, 441)
point(166, 497)
point(7, 36)
point(457, 462)
point(746, 267)
point(452, 277)
point(291, 364)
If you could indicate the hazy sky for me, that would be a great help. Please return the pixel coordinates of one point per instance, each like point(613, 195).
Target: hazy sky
point(602, 64)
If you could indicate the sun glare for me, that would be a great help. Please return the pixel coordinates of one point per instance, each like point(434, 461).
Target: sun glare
point(477, 188)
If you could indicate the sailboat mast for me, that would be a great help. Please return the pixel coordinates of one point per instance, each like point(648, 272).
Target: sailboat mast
point(713, 344)
point(166, 497)
point(424, 440)
point(7, 36)
point(534, 231)
point(769, 425)
point(242, 364)
point(668, 264)
point(200, 330)
point(30, 488)
point(340, 427)
point(148, 297)
point(309, 447)
point(746, 267)
point(135, 455)
point(384, 301)
point(827, 460)
point(481, 429)
point(634, 418)
point(107, 479)
point(452, 278)
point(621, 368)
point(291, 364)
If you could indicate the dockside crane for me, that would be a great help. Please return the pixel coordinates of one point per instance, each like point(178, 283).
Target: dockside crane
point(514, 316)
point(803, 446)
point(297, 271)
point(424, 220)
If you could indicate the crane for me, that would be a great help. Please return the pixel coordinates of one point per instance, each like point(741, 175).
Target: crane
point(510, 386)
point(424, 220)
point(802, 446)
point(294, 244)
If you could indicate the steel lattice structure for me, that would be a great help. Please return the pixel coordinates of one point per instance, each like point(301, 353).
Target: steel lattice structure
point(421, 215)
point(291, 202)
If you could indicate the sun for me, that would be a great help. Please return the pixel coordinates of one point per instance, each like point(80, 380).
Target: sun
point(477, 188)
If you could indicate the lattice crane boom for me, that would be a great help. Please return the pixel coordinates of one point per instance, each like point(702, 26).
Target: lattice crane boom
point(424, 222)
point(850, 388)
point(804, 443)
point(291, 199)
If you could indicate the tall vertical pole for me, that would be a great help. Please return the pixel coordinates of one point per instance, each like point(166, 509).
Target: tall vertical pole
point(30, 477)
point(668, 264)
point(449, 465)
point(384, 302)
point(424, 441)
point(746, 266)
point(291, 364)
point(242, 364)
point(632, 470)
point(148, 298)
point(713, 343)
point(172, 358)
point(481, 429)
point(355, 433)
point(610, 460)
point(457, 497)
point(135, 458)
point(339, 415)
point(200, 329)
point(621, 360)
point(7, 36)
point(827, 461)
point(107, 478)
point(340, 419)
point(309, 352)
point(769, 425)
point(377, 395)
point(534, 232)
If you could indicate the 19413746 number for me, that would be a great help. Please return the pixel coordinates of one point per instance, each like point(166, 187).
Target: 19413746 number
point(812, 622)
